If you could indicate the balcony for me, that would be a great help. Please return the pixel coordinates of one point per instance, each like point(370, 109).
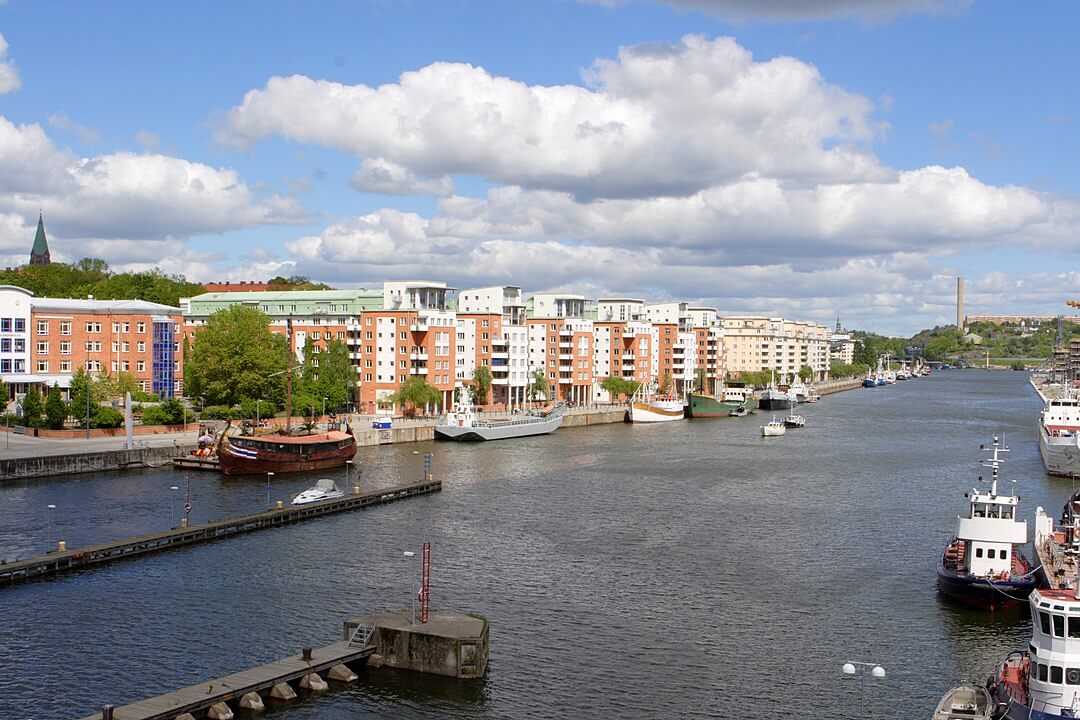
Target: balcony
point(500, 356)
point(422, 355)
point(500, 340)
point(419, 326)
point(418, 371)
point(566, 368)
point(566, 356)
point(566, 332)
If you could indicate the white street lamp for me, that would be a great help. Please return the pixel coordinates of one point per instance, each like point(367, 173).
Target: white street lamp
point(174, 489)
point(409, 554)
point(268, 476)
point(849, 668)
point(48, 523)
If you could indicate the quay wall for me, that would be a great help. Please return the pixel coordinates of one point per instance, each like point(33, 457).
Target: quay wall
point(835, 386)
point(73, 463)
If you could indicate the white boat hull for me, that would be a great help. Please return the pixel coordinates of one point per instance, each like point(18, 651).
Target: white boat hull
point(501, 431)
point(641, 412)
point(773, 430)
point(1060, 455)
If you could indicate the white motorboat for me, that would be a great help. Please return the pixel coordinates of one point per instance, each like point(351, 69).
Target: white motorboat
point(966, 702)
point(324, 489)
point(773, 428)
point(794, 421)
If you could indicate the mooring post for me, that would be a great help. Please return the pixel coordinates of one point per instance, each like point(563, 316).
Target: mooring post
point(306, 655)
point(106, 712)
point(427, 467)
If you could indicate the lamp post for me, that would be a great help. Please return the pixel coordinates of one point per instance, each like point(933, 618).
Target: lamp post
point(268, 476)
point(173, 489)
point(348, 474)
point(324, 413)
point(48, 523)
point(849, 669)
point(258, 413)
point(408, 555)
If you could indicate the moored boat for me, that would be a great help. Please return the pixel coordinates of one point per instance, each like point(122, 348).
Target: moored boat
point(280, 452)
point(799, 392)
point(324, 489)
point(775, 398)
point(966, 702)
point(1059, 435)
point(648, 407)
point(983, 565)
point(463, 424)
point(730, 398)
point(794, 421)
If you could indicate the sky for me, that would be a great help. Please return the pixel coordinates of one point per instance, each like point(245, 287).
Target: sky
point(805, 158)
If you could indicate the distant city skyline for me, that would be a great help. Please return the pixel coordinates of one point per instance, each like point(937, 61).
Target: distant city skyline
point(800, 159)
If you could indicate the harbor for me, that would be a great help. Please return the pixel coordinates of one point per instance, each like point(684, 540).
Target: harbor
point(582, 528)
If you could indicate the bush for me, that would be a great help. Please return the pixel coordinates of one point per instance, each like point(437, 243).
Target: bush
point(55, 409)
point(219, 412)
point(170, 412)
point(106, 417)
point(32, 407)
point(252, 409)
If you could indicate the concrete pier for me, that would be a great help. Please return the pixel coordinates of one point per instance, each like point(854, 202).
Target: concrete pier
point(450, 643)
point(55, 563)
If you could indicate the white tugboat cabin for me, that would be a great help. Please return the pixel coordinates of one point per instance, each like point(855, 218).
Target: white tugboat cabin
point(988, 542)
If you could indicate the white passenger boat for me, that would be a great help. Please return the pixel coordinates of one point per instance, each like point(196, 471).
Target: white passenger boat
point(323, 490)
point(463, 424)
point(773, 428)
point(648, 407)
point(1059, 435)
point(798, 392)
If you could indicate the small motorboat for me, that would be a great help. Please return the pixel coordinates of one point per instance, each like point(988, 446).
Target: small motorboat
point(794, 421)
point(966, 702)
point(813, 398)
point(773, 428)
point(325, 489)
point(741, 411)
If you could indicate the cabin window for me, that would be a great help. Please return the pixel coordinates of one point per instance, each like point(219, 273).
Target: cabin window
point(1074, 627)
point(1042, 672)
point(1059, 626)
point(1072, 676)
point(1055, 674)
point(1044, 622)
point(978, 552)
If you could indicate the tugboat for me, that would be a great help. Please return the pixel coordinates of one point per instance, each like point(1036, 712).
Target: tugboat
point(983, 565)
point(1043, 682)
point(773, 428)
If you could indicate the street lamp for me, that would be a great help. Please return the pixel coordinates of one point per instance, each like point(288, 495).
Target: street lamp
point(348, 474)
point(268, 476)
point(48, 523)
point(258, 413)
point(876, 671)
point(409, 554)
point(174, 489)
point(324, 413)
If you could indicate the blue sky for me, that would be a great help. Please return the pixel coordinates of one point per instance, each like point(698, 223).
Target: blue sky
point(151, 97)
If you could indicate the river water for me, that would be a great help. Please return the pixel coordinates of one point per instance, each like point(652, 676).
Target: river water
point(689, 569)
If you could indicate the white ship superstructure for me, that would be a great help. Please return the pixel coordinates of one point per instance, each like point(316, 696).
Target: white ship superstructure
point(1059, 435)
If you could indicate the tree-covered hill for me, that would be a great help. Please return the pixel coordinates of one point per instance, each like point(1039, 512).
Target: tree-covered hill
point(92, 276)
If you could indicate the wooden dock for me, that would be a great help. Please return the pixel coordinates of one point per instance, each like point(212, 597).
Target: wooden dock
point(199, 699)
point(57, 562)
point(193, 462)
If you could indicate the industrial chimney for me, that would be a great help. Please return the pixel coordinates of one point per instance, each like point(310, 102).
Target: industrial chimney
point(960, 304)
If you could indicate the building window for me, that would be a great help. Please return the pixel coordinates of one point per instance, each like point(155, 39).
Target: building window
point(116, 327)
point(140, 365)
point(43, 347)
point(65, 327)
point(42, 327)
point(141, 347)
point(65, 366)
point(140, 327)
point(43, 366)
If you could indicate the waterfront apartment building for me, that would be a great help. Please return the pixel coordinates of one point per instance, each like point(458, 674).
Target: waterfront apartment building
point(757, 343)
point(491, 331)
point(43, 341)
point(561, 345)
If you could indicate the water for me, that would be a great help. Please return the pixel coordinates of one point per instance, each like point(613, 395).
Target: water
point(683, 570)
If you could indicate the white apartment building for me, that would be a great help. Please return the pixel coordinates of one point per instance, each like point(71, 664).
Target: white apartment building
point(755, 343)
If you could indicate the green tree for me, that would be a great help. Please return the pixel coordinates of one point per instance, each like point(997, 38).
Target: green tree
point(806, 373)
point(539, 385)
point(85, 396)
point(329, 374)
point(481, 387)
point(665, 385)
point(619, 386)
point(865, 352)
point(169, 412)
point(32, 407)
point(235, 356)
point(107, 417)
point(55, 409)
point(842, 370)
point(701, 380)
point(414, 394)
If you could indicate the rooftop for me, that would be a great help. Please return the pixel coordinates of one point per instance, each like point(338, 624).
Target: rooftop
point(101, 306)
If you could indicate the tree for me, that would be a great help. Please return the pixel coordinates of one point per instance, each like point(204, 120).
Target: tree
point(107, 417)
point(329, 374)
point(806, 373)
point(700, 379)
point(55, 409)
point(85, 396)
point(842, 370)
point(539, 385)
point(32, 407)
point(414, 394)
point(665, 386)
point(481, 388)
point(170, 412)
point(235, 356)
point(619, 386)
point(865, 352)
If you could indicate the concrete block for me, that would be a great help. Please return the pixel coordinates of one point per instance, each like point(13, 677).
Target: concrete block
point(220, 711)
point(314, 683)
point(375, 660)
point(251, 701)
point(340, 673)
point(283, 691)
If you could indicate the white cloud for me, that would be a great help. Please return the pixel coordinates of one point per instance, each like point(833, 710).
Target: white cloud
point(61, 121)
point(9, 74)
point(661, 119)
point(377, 175)
point(123, 206)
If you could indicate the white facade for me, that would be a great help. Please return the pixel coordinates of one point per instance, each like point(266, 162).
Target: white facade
point(558, 305)
point(494, 300)
point(672, 313)
point(841, 348)
point(756, 343)
point(15, 336)
point(415, 295)
point(619, 309)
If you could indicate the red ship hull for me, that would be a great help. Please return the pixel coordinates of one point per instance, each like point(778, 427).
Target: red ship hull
point(250, 455)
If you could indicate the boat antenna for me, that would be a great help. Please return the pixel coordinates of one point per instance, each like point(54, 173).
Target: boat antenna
point(994, 463)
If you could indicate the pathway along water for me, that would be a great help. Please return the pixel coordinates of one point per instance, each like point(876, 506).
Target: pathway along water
point(680, 570)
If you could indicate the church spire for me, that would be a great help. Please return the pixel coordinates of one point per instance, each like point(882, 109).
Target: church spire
point(39, 254)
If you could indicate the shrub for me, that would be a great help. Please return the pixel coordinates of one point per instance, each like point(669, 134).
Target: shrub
point(107, 417)
point(55, 409)
point(32, 407)
point(219, 412)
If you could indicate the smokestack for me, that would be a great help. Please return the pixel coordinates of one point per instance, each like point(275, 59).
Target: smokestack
point(960, 304)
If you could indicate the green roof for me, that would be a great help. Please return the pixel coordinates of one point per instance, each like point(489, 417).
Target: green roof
point(289, 302)
point(41, 245)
